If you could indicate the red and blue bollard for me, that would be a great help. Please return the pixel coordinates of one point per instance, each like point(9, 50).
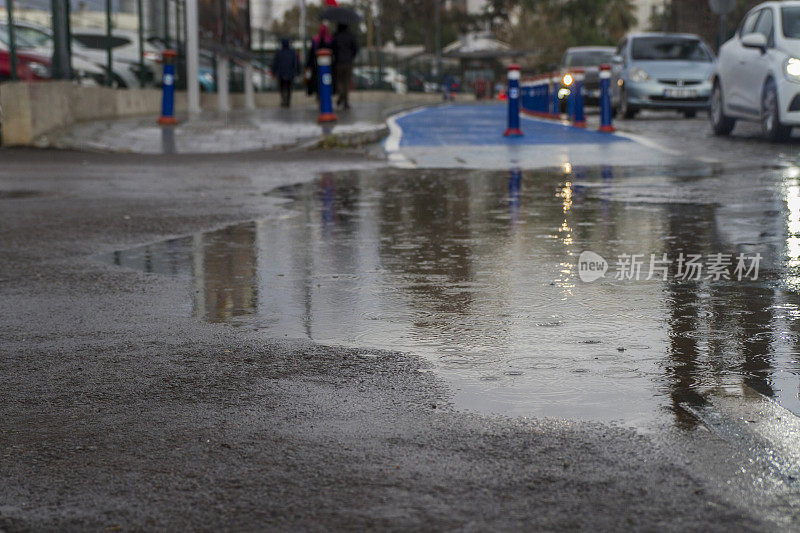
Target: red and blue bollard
point(576, 96)
point(606, 111)
point(167, 117)
point(513, 129)
point(326, 113)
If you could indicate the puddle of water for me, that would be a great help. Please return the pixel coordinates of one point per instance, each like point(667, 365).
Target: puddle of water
point(476, 271)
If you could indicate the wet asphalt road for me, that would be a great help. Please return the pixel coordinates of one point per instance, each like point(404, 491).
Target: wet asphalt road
point(119, 412)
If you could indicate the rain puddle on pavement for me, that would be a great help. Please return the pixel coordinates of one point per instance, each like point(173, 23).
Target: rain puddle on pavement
point(478, 273)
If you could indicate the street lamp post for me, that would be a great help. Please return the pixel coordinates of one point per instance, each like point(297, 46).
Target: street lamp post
point(109, 53)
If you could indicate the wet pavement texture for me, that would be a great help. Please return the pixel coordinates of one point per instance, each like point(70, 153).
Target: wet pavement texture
point(122, 411)
point(477, 272)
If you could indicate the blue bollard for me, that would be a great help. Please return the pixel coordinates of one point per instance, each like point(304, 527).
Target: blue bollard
point(555, 104)
point(545, 96)
point(579, 120)
point(167, 117)
point(606, 112)
point(513, 129)
point(326, 113)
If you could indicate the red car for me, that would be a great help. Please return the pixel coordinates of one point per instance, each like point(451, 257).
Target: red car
point(30, 67)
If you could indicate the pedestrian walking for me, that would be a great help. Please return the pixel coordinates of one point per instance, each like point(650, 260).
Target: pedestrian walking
point(323, 39)
point(345, 50)
point(285, 67)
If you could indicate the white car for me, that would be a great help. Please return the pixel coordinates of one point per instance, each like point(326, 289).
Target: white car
point(38, 40)
point(124, 55)
point(758, 72)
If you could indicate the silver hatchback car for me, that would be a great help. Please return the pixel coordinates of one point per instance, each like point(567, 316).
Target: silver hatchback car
point(663, 71)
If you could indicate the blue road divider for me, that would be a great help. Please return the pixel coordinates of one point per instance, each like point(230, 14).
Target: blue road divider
point(537, 96)
point(578, 113)
point(326, 113)
point(167, 117)
point(541, 97)
point(513, 129)
point(606, 109)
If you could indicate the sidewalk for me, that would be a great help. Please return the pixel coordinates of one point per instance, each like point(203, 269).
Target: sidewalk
point(229, 132)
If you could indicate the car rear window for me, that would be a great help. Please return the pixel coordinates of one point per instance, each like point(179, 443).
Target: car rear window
point(669, 49)
point(791, 22)
point(587, 58)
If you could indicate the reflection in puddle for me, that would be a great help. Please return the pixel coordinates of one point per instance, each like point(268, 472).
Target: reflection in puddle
point(476, 272)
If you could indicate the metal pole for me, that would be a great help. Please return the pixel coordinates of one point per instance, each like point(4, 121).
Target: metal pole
point(664, 17)
point(61, 56)
point(192, 58)
point(12, 41)
point(109, 54)
point(140, 15)
point(263, 56)
point(303, 24)
point(222, 83)
point(437, 17)
point(166, 24)
point(379, 41)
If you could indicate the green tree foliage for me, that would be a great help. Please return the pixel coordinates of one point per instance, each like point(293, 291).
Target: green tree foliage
point(551, 26)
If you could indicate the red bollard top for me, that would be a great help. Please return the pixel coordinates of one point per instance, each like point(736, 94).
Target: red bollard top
point(169, 54)
point(605, 67)
point(514, 66)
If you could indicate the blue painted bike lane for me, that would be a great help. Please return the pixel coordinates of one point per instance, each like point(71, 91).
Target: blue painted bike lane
point(471, 136)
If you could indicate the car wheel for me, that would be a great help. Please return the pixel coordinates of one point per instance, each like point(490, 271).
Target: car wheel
point(689, 114)
point(722, 124)
point(625, 108)
point(770, 115)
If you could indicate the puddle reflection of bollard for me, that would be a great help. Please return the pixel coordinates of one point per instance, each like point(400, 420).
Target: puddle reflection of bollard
point(579, 118)
point(326, 113)
point(168, 89)
point(514, 191)
point(513, 129)
point(168, 141)
point(606, 112)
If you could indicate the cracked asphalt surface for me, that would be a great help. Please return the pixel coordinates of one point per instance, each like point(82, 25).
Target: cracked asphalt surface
point(116, 413)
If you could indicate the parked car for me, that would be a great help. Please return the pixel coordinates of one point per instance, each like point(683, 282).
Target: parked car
point(367, 78)
point(588, 58)
point(30, 67)
point(38, 40)
point(125, 55)
point(758, 73)
point(663, 71)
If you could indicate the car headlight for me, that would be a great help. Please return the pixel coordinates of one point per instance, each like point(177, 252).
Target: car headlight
point(567, 80)
point(792, 69)
point(39, 69)
point(638, 75)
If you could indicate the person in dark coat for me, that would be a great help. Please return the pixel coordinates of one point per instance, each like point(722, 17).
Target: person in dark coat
point(285, 67)
point(322, 40)
point(345, 50)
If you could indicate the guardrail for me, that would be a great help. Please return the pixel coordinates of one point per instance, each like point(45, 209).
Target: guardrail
point(541, 97)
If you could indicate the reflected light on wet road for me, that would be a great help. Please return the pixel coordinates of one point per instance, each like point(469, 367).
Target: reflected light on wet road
point(476, 272)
